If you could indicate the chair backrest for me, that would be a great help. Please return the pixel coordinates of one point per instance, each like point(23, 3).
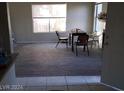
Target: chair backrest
point(57, 33)
point(83, 39)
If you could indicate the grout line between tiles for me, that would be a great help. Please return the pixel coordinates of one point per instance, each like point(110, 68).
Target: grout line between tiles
point(46, 84)
point(66, 83)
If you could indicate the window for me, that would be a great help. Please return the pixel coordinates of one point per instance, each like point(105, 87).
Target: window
point(98, 10)
point(49, 17)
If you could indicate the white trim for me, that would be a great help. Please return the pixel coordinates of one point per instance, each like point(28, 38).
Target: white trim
point(10, 29)
point(26, 42)
point(111, 86)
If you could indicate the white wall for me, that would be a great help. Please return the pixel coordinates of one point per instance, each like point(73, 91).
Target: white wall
point(78, 15)
point(113, 54)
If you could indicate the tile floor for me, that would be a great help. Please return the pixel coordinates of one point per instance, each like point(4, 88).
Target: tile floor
point(62, 83)
point(60, 61)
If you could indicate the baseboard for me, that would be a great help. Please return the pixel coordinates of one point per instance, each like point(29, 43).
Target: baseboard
point(34, 42)
point(111, 86)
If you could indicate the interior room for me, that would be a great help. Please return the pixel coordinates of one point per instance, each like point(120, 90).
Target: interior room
point(36, 41)
point(61, 46)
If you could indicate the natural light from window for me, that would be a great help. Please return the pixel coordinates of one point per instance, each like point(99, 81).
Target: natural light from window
point(49, 17)
point(98, 9)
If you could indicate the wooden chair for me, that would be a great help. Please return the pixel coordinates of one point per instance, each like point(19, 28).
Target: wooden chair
point(82, 41)
point(62, 39)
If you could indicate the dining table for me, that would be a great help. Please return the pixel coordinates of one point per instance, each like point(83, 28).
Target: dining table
point(71, 38)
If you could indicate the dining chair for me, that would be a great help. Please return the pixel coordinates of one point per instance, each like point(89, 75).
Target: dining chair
point(61, 39)
point(82, 41)
point(94, 40)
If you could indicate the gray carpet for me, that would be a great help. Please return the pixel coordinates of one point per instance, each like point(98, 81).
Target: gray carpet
point(46, 60)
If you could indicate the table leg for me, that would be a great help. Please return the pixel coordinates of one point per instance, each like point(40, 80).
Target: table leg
point(72, 43)
point(69, 39)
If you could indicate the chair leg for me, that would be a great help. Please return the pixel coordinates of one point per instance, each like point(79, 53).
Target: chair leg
point(57, 43)
point(87, 50)
point(91, 44)
point(98, 43)
point(84, 49)
point(66, 43)
point(76, 51)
